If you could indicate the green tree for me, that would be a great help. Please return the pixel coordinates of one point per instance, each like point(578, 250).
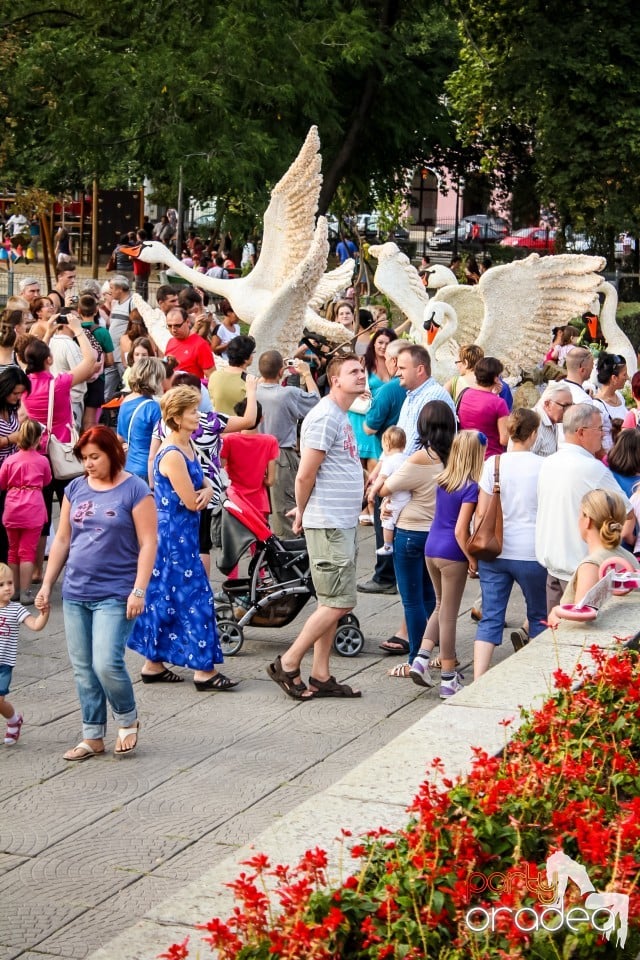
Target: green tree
point(552, 89)
point(122, 90)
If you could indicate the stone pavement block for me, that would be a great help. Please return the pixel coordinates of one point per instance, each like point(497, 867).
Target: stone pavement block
point(8, 861)
point(199, 857)
point(9, 953)
point(449, 730)
point(74, 940)
point(140, 942)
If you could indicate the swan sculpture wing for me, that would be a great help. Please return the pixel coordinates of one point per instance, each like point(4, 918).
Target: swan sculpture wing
point(399, 280)
point(289, 218)
point(332, 283)
point(281, 322)
point(524, 299)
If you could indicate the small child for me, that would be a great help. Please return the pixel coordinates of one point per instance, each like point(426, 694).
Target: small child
point(23, 475)
point(11, 616)
point(394, 440)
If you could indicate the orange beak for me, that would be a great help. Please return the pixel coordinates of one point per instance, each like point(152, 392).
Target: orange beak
point(431, 333)
point(592, 324)
point(132, 251)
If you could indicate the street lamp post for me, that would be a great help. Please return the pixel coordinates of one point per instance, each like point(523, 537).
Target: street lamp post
point(180, 229)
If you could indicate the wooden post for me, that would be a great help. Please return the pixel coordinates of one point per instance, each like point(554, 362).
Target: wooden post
point(47, 248)
point(94, 231)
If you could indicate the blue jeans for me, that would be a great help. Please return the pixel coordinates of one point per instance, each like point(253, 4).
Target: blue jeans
point(97, 633)
point(496, 580)
point(414, 584)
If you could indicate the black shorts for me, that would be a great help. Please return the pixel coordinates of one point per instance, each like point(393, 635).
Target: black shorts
point(94, 397)
point(205, 531)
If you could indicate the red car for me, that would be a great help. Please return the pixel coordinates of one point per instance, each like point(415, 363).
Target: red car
point(532, 240)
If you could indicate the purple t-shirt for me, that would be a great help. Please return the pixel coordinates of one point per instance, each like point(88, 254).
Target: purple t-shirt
point(441, 541)
point(103, 556)
point(481, 410)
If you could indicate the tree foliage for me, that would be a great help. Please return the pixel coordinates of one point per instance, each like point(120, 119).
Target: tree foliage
point(552, 88)
point(120, 90)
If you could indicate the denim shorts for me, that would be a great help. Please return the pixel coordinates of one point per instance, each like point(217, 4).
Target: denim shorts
point(5, 678)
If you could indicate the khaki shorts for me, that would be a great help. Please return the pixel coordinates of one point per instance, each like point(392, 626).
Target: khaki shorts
point(332, 556)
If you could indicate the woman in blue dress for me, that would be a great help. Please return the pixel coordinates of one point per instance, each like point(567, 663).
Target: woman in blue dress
point(178, 625)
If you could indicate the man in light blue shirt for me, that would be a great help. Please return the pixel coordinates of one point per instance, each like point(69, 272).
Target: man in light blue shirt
point(414, 372)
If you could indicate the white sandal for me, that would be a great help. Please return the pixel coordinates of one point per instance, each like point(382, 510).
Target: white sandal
point(400, 670)
point(123, 733)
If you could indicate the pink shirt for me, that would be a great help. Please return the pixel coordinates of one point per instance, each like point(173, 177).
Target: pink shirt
point(23, 475)
point(481, 410)
point(36, 403)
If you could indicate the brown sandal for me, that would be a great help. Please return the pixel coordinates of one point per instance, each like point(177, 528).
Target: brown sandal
point(331, 688)
point(284, 679)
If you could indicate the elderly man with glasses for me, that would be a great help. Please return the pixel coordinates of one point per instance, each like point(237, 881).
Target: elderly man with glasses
point(550, 408)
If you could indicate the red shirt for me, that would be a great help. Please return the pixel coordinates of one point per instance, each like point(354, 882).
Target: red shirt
point(193, 354)
point(246, 457)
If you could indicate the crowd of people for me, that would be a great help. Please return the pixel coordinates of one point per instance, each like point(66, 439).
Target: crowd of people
point(161, 418)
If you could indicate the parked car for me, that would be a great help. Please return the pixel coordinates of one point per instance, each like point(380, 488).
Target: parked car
point(492, 230)
point(367, 226)
point(531, 240)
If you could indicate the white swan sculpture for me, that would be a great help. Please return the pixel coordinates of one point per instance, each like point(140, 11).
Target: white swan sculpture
point(274, 298)
point(511, 311)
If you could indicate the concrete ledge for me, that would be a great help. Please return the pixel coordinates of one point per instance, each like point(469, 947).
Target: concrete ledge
point(376, 792)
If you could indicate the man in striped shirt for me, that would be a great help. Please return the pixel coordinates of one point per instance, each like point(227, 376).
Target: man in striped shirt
point(550, 408)
point(329, 488)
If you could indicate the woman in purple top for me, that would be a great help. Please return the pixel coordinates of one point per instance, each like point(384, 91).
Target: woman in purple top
point(447, 560)
point(107, 537)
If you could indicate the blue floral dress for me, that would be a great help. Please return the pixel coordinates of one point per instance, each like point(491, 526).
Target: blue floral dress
point(178, 624)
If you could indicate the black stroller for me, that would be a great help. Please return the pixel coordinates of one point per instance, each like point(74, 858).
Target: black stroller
point(278, 583)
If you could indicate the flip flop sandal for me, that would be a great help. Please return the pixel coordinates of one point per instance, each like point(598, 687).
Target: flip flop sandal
point(86, 753)
point(167, 676)
point(401, 670)
point(284, 679)
point(123, 733)
point(331, 688)
point(397, 645)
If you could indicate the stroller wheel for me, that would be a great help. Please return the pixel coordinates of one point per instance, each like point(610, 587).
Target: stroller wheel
point(230, 635)
point(349, 640)
point(349, 619)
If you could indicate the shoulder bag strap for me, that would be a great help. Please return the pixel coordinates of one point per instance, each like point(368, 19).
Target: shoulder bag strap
point(52, 384)
point(133, 416)
point(496, 475)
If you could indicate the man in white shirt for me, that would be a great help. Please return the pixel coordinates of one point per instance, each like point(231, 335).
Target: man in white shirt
point(564, 478)
point(579, 364)
point(550, 408)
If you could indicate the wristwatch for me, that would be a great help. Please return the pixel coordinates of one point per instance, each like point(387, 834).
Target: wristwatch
point(137, 592)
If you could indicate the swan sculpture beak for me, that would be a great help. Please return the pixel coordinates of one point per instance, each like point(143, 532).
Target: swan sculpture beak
point(432, 327)
point(132, 251)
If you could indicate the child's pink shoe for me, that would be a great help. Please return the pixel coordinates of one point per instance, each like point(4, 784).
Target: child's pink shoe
point(12, 733)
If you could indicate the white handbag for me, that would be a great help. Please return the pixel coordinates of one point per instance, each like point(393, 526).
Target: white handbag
point(64, 463)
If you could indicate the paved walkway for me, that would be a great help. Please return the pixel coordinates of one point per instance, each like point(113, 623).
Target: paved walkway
point(87, 848)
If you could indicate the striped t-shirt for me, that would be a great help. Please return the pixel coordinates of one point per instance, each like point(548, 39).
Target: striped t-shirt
point(11, 617)
point(336, 498)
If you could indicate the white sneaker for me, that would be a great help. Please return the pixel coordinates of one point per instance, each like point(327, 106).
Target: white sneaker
point(449, 687)
point(366, 519)
point(420, 673)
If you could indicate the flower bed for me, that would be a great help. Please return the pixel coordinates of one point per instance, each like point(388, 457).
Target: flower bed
point(466, 878)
